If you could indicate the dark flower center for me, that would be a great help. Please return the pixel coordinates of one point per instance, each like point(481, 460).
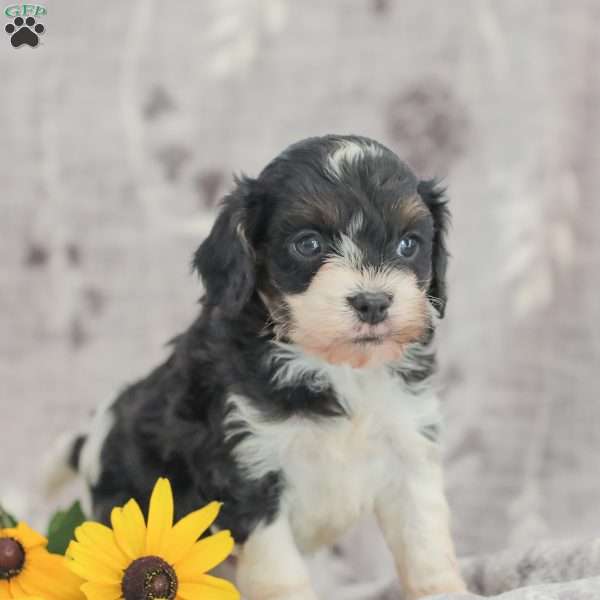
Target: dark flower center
point(12, 558)
point(149, 578)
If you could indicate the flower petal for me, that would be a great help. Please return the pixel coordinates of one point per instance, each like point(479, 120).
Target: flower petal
point(204, 556)
point(26, 536)
point(95, 563)
point(4, 594)
point(47, 575)
point(100, 591)
point(210, 588)
point(129, 529)
point(160, 517)
point(16, 590)
point(186, 532)
point(83, 563)
point(100, 540)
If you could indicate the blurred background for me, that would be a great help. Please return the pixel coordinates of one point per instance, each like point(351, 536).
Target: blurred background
point(121, 131)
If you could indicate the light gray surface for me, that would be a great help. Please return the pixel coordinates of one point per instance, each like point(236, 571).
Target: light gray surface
point(122, 129)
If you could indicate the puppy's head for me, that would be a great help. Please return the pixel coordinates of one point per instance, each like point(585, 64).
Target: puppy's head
point(341, 242)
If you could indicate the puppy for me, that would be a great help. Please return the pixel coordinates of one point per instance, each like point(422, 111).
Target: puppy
point(301, 396)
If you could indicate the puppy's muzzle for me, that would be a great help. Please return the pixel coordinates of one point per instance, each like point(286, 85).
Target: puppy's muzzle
point(371, 307)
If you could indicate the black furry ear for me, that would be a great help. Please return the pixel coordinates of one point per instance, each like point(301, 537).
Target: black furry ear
point(225, 260)
point(434, 197)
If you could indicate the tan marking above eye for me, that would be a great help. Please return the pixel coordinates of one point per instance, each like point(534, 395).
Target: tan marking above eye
point(312, 210)
point(413, 209)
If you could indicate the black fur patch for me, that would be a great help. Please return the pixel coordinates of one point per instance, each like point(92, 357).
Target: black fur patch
point(433, 195)
point(75, 452)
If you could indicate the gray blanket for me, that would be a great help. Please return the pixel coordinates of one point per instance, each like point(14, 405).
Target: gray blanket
point(566, 570)
point(551, 570)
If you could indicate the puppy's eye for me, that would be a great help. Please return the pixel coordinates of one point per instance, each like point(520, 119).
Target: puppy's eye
point(308, 245)
point(408, 246)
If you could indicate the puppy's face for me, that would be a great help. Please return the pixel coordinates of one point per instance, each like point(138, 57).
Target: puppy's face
point(343, 250)
point(347, 272)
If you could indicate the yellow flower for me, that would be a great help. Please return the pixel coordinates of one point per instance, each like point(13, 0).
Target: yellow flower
point(135, 561)
point(27, 569)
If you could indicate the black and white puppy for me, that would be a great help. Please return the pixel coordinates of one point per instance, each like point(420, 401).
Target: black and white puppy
point(301, 397)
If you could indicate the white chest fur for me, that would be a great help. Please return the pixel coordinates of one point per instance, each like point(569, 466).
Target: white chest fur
point(334, 467)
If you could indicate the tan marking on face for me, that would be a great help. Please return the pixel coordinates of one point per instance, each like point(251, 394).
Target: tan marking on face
point(315, 210)
point(413, 209)
point(324, 324)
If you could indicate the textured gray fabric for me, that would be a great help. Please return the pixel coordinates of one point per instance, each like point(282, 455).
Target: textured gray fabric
point(545, 571)
point(121, 130)
point(542, 563)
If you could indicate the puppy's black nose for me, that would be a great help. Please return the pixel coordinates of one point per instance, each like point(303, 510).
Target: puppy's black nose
point(371, 307)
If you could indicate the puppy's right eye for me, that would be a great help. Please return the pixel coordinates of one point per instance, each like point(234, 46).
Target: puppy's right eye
point(308, 245)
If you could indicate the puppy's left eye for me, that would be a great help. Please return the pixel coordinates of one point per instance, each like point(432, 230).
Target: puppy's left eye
point(308, 245)
point(408, 246)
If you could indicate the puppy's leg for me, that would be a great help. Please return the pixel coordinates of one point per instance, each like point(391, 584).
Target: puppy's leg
point(414, 517)
point(270, 566)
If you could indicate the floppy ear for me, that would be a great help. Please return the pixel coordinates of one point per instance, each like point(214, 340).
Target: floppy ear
point(225, 260)
point(434, 197)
